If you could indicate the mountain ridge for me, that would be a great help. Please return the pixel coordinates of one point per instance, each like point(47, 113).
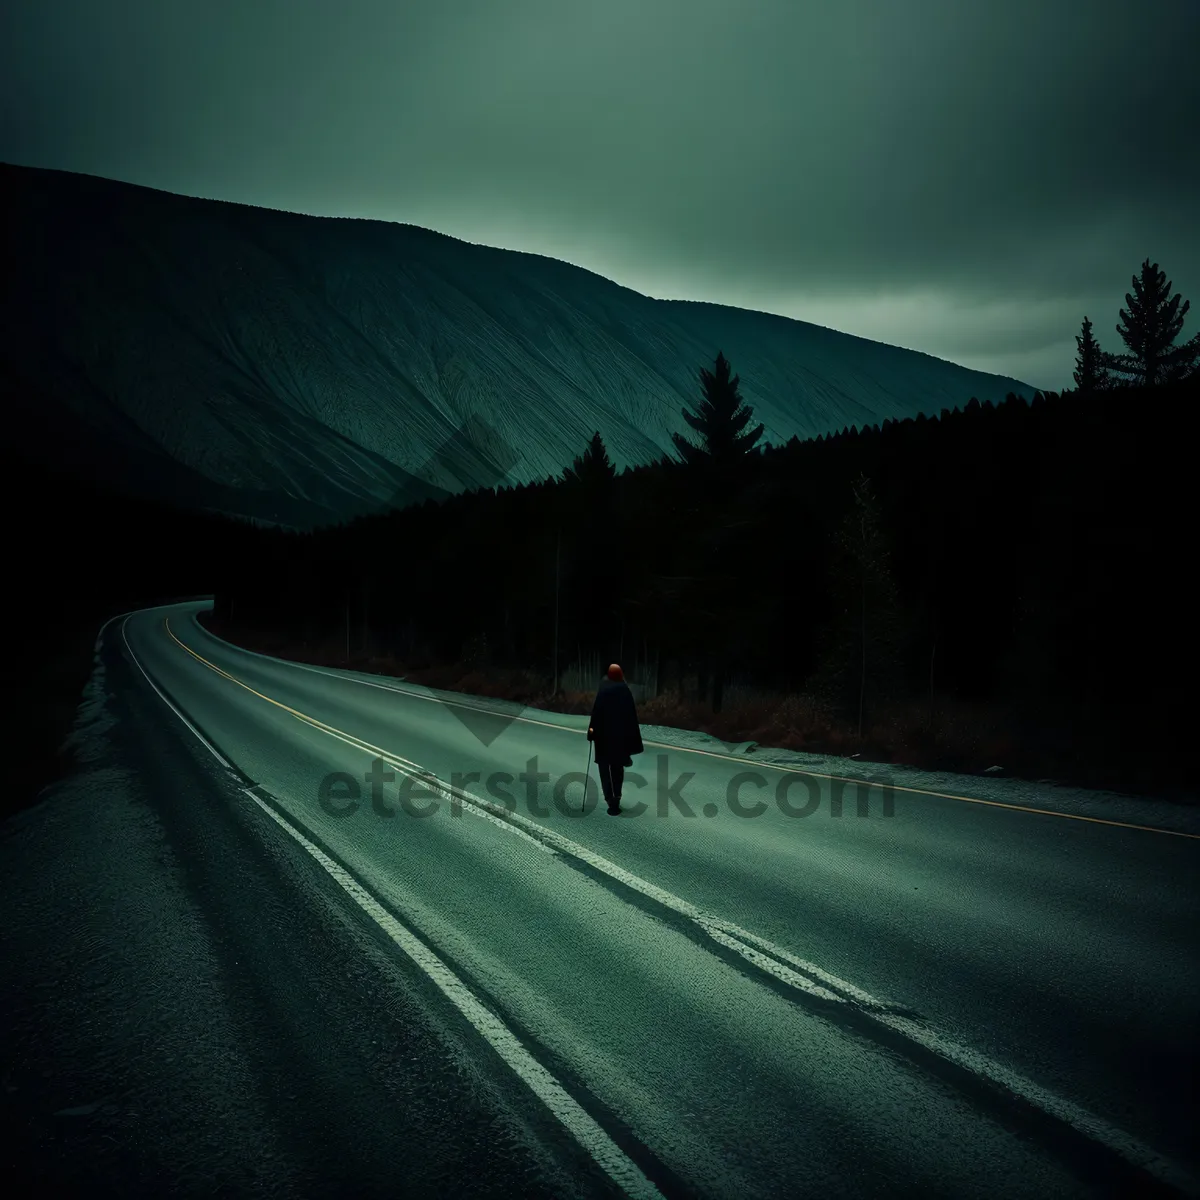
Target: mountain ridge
point(316, 368)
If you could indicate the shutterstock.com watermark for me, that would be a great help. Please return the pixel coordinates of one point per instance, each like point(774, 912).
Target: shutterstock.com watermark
point(386, 791)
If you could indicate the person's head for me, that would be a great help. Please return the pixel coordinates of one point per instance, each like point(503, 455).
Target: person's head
point(615, 673)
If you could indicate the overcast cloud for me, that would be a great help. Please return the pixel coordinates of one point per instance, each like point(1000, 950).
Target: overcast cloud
point(963, 177)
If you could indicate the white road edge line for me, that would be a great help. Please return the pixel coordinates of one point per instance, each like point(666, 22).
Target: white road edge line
point(742, 941)
point(610, 1157)
point(607, 1154)
point(203, 740)
point(100, 633)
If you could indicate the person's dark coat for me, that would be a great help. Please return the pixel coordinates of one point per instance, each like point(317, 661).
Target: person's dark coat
point(614, 724)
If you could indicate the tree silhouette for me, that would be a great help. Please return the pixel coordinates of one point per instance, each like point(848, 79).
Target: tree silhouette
point(589, 549)
point(593, 467)
point(1091, 375)
point(720, 419)
point(1152, 322)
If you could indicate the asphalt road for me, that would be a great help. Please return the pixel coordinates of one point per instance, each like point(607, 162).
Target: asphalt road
point(472, 989)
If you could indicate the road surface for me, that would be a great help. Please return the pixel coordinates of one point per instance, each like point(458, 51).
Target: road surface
point(249, 963)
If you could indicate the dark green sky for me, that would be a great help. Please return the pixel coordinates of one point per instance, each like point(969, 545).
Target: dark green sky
point(964, 177)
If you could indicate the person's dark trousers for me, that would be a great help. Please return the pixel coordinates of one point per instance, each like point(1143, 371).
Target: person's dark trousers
point(612, 775)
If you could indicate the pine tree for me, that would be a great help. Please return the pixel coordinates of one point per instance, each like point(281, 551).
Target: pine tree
point(720, 419)
point(1152, 322)
point(593, 467)
point(1091, 374)
point(589, 541)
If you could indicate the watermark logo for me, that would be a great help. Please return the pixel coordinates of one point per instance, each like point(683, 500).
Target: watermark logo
point(387, 791)
point(484, 724)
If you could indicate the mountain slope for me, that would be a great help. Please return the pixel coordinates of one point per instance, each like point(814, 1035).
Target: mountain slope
point(304, 369)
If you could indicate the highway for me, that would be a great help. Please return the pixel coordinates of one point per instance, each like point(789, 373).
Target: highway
point(384, 952)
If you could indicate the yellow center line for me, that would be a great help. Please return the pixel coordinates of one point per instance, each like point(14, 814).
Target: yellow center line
point(1024, 808)
point(342, 735)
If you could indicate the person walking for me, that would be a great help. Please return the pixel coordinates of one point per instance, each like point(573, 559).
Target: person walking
point(615, 731)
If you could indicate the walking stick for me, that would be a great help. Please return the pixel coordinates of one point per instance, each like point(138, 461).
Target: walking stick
point(587, 778)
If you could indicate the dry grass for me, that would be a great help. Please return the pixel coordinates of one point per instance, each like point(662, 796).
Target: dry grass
point(970, 737)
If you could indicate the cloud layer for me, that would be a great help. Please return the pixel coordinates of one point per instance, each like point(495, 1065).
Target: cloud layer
point(964, 179)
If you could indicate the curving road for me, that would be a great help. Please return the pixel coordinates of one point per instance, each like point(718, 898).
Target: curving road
point(470, 988)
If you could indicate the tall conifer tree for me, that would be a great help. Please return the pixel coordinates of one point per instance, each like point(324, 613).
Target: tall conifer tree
point(1091, 375)
point(720, 420)
point(1149, 328)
